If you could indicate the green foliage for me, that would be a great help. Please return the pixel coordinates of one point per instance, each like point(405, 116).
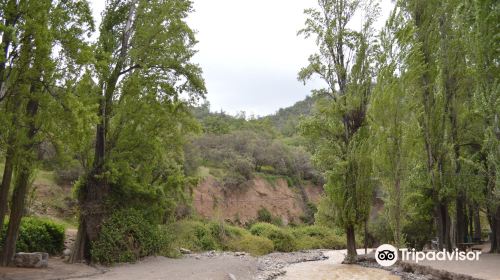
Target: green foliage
point(38, 235)
point(194, 235)
point(317, 237)
point(255, 245)
point(337, 130)
point(127, 236)
point(241, 153)
point(263, 215)
point(283, 241)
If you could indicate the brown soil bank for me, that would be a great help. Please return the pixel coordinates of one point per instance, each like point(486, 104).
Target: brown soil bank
point(212, 200)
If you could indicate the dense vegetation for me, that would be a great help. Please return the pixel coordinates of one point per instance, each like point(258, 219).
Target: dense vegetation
point(413, 111)
point(236, 149)
point(39, 235)
point(409, 114)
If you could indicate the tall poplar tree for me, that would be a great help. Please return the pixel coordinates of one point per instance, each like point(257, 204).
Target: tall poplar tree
point(338, 128)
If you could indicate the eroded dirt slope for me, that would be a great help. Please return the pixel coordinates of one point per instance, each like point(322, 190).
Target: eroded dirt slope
point(212, 200)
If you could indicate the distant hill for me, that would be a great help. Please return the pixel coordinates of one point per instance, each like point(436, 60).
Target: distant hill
point(286, 120)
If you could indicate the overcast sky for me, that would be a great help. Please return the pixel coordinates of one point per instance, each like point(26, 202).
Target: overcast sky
point(250, 52)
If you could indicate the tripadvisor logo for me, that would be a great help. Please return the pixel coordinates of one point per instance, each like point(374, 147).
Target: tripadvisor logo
point(387, 255)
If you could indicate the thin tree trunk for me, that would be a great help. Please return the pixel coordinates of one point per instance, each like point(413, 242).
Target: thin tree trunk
point(397, 238)
point(461, 230)
point(5, 187)
point(477, 222)
point(16, 214)
point(493, 228)
point(495, 231)
point(22, 183)
point(351, 243)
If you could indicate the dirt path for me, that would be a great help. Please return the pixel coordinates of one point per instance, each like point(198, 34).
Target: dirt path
point(204, 268)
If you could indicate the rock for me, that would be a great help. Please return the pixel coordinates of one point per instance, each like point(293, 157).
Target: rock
point(66, 252)
point(231, 276)
point(184, 251)
point(32, 260)
point(237, 254)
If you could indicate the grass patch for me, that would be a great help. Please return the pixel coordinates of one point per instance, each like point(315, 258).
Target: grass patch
point(317, 237)
point(283, 241)
point(45, 177)
point(255, 245)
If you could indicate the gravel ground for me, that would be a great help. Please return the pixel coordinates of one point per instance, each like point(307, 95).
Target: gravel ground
point(314, 264)
point(273, 265)
point(395, 270)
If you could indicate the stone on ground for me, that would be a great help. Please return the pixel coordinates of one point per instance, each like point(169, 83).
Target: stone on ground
point(31, 260)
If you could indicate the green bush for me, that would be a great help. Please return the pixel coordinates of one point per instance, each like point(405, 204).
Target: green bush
point(255, 245)
point(222, 232)
point(194, 235)
point(282, 240)
point(263, 215)
point(127, 236)
point(317, 237)
point(38, 235)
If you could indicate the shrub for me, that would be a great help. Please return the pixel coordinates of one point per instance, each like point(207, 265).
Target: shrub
point(38, 235)
point(282, 240)
point(317, 237)
point(127, 236)
point(263, 215)
point(255, 245)
point(194, 235)
point(221, 232)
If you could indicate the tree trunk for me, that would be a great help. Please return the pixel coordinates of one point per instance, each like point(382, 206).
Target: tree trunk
point(16, 213)
point(477, 222)
point(23, 172)
point(80, 246)
point(351, 244)
point(9, 160)
point(495, 230)
point(397, 237)
point(443, 224)
point(461, 230)
point(96, 189)
point(5, 187)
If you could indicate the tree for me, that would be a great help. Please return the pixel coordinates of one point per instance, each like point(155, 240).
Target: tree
point(393, 127)
point(143, 70)
point(43, 25)
point(481, 21)
point(338, 127)
point(422, 17)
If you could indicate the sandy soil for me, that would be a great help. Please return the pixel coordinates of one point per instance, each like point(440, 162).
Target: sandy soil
point(220, 267)
point(333, 269)
point(488, 267)
point(211, 200)
point(57, 270)
point(230, 266)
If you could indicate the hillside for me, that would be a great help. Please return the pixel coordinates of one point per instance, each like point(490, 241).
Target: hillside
point(258, 162)
point(242, 166)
